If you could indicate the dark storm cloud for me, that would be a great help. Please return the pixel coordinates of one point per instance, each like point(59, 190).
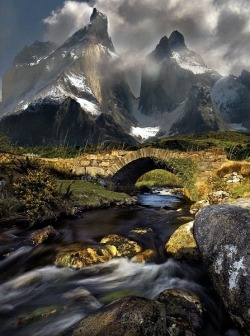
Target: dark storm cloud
point(218, 30)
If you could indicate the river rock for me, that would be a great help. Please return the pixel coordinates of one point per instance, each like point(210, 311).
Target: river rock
point(197, 206)
point(145, 256)
point(222, 233)
point(39, 236)
point(125, 247)
point(185, 315)
point(217, 197)
point(37, 315)
point(80, 257)
point(127, 316)
point(182, 243)
point(83, 296)
point(143, 236)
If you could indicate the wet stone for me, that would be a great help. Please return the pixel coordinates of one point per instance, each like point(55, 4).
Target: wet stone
point(80, 257)
point(185, 315)
point(182, 243)
point(125, 247)
point(127, 316)
point(39, 236)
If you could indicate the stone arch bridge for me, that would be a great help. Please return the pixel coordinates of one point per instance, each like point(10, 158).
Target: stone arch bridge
point(123, 168)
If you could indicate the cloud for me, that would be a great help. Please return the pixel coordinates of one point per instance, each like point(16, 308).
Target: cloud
point(64, 21)
point(217, 29)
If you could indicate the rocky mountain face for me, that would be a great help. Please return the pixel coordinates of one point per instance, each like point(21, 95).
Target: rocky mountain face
point(78, 92)
point(84, 71)
point(198, 109)
point(231, 98)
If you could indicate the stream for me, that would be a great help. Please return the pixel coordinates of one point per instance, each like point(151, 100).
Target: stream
point(40, 299)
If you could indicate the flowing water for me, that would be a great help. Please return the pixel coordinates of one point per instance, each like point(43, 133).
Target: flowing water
point(38, 298)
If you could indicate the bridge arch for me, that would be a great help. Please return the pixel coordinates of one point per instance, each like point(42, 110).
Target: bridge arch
point(128, 174)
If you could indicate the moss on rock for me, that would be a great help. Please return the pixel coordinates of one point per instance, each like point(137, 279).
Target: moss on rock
point(125, 247)
point(80, 257)
point(182, 243)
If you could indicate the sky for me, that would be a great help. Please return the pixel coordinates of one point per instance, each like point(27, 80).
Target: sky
point(219, 30)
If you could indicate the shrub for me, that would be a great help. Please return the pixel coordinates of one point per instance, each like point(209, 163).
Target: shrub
point(186, 170)
point(36, 190)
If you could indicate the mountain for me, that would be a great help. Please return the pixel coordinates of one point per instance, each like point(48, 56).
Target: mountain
point(175, 91)
point(77, 93)
point(85, 71)
point(169, 74)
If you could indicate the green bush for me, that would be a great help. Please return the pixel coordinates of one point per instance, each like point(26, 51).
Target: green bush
point(186, 170)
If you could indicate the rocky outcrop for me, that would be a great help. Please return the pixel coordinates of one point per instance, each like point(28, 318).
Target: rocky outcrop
point(222, 235)
point(182, 244)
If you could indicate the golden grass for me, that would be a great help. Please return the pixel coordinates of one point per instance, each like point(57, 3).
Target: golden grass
point(240, 167)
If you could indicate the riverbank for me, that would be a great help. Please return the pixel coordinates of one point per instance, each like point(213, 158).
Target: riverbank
point(81, 196)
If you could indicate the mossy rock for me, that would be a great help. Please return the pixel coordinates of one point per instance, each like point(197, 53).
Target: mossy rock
point(182, 243)
point(127, 316)
point(37, 315)
point(39, 236)
point(118, 294)
point(125, 247)
point(145, 257)
point(185, 314)
point(80, 257)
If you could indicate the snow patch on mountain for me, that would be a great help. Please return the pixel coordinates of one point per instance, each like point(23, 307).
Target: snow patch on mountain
point(189, 63)
point(144, 133)
point(77, 81)
point(88, 106)
point(238, 127)
point(158, 124)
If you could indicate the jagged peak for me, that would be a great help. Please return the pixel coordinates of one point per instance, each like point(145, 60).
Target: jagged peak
point(244, 78)
point(162, 49)
point(177, 41)
point(96, 15)
point(99, 22)
point(95, 32)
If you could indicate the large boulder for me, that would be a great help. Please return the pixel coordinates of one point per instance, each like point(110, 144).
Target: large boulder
point(222, 234)
point(127, 316)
